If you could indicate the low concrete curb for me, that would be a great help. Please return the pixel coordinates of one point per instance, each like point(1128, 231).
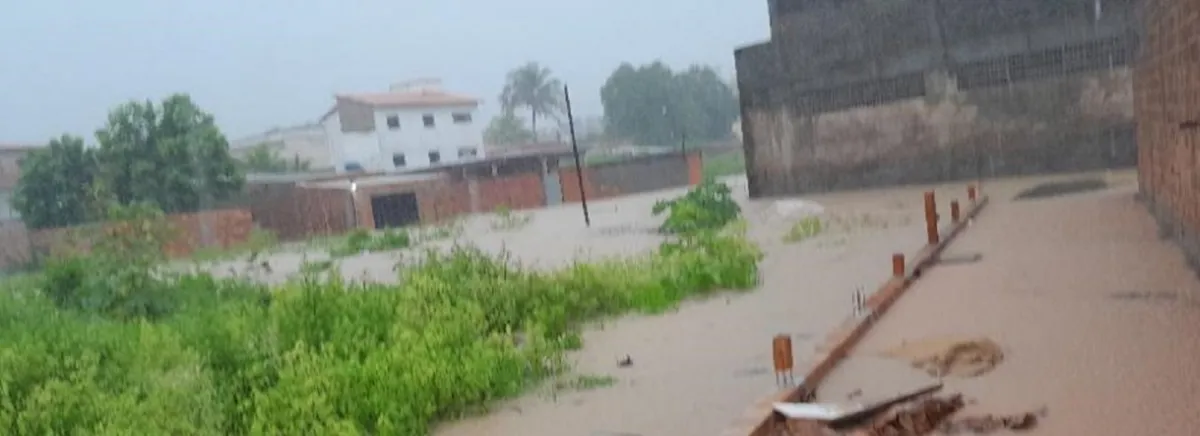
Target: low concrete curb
point(761, 419)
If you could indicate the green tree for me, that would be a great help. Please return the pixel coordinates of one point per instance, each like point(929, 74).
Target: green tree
point(56, 187)
point(171, 155)
point(263, 158)
point(532, 87)
point(507, 129)
point(654, 105)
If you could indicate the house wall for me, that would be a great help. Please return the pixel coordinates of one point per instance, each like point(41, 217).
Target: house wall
point(859, 93)
point(346, 147)
point(373, 144)
point(295, 212)
point(1167, 94)
point(416, 141)
point(306, 143)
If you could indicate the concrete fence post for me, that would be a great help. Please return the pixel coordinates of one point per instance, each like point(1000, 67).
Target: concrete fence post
point(954, 212)
point(898, 265)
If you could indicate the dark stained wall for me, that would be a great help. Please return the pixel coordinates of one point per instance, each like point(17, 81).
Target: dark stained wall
point(861, 93)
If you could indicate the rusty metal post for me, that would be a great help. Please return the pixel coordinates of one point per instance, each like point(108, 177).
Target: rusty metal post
point(781, 348)
point(931, 218)
point(971, 194)
point(898, 265)
point(954, 212)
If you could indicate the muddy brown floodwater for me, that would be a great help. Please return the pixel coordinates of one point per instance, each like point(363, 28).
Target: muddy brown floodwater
point(1096, 316)
point(695, 370)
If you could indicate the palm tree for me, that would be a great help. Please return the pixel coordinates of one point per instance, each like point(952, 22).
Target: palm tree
point(531, 86)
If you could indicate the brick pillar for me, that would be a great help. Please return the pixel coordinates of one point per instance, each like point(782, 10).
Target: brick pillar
point(695, 164)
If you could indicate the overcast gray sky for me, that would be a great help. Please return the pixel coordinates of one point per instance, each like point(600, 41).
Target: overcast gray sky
point(261, 63)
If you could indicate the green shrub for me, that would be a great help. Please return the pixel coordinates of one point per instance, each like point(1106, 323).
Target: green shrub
point(707, 206)
point(804, 229)
point(364, 241)
point(323, 356)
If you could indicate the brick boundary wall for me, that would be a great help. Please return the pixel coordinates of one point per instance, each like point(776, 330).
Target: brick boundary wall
point(633, 176)
point(227, 228)
point(762, 420)
point(1167, 106)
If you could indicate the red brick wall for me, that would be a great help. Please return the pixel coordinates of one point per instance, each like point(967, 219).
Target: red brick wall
point(442, 199)
point(226, 228)
point(1167, 101)
point(695, 162)
point(294, 212)
point(570, 186)
point(596, 190)
point(522, 191)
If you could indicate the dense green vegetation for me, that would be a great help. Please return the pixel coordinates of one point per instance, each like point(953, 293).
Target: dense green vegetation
point(171, 155)
point(707, 207)
point(108, 344)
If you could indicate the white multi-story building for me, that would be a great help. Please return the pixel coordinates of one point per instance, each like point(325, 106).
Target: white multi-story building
point(414, 125)
point(302, 143)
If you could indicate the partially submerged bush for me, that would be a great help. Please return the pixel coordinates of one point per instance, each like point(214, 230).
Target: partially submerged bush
point(706, 207)
point(806, 228)
point(506, 219)
point(320, 356)
point(362, 240)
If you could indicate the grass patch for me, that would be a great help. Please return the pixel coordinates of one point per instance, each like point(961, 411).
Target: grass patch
point(804, 229)
point(109, 344)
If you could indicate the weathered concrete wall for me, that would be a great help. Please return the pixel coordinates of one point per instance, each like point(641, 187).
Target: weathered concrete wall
point(1072, 123)
point(1167, 93)
point(864, 93)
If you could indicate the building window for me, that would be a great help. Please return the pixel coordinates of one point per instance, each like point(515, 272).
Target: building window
point(435, 157)
point(461, 117)
point(467, 152)
point(393, 122)
point(398, 160)
point(428, 120)
point(353, 166)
